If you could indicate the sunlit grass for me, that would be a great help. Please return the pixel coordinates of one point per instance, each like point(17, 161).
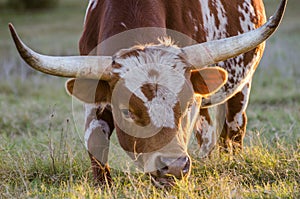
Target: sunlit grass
point(41, 150)
point(54, 164)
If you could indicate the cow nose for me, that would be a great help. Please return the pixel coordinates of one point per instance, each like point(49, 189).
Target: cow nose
point(179, 167)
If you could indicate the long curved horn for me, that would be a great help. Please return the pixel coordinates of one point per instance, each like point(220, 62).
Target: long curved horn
point(211, 52)
point(91, 67)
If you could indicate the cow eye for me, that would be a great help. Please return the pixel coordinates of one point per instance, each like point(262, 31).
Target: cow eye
point(190, 106)
point(126, 113)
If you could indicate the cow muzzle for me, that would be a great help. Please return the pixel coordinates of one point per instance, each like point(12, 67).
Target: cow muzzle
point(170, 169)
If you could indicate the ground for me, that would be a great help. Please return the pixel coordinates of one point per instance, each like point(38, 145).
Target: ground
point(41, 148)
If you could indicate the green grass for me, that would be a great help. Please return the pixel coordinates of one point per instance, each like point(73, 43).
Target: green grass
point(41, 150)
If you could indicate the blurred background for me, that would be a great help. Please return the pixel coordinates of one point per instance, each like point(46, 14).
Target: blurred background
point(54, 27)
point(38, 138)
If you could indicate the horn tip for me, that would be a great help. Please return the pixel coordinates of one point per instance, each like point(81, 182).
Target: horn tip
point(13, 33)
point(277, 17)
point(11, 27)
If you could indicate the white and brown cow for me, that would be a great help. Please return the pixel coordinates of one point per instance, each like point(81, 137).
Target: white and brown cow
point(155, 94)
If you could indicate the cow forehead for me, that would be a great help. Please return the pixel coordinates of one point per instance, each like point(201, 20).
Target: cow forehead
point(160, 66)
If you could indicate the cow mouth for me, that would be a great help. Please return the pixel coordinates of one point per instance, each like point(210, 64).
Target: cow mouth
point(163, 182)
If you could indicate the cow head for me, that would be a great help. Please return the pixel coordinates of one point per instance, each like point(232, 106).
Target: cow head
point(155, 91)
point(155, 95)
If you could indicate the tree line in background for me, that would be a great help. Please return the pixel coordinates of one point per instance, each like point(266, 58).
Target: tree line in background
point(31, 4)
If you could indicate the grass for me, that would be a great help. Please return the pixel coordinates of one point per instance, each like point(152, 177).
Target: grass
point(41, 150)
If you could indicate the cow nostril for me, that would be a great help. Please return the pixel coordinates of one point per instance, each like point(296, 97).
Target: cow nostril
point(163, 171)
point(166, 168)
point(178, 167)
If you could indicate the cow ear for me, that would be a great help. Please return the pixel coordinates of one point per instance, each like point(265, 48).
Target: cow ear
point(88, 90)
point(207, 81)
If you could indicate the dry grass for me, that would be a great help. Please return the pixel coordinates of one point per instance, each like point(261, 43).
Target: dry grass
point(42, 154)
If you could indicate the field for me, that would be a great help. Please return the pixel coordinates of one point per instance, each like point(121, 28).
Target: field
point(41, 150)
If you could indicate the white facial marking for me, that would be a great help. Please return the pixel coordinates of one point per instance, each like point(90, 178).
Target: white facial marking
point(169, 80)
point(160, 108)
